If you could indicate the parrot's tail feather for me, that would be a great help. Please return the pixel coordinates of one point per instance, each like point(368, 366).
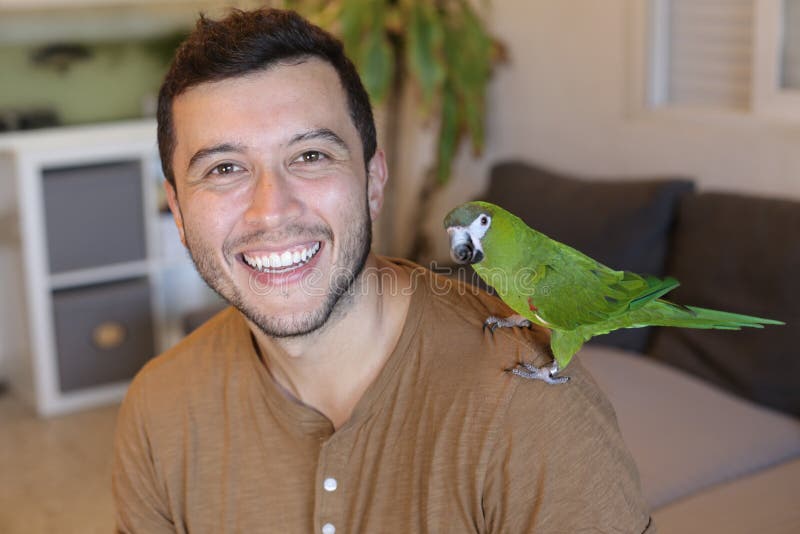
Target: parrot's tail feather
point(657, 288)
point(664, 313)
point(679, 307)
point(565, 343)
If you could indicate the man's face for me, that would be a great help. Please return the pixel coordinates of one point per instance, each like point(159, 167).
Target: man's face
point(273, 200)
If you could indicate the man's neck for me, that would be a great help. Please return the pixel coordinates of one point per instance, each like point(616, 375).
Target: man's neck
point(331, 369)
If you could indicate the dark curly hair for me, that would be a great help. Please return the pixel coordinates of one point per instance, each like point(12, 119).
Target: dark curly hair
point(249, 41)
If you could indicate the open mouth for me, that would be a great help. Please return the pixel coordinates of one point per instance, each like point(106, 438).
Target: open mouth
point(288, 260)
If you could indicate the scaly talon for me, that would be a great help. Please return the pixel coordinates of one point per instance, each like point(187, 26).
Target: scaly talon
point(545, 374)
point(492, 322)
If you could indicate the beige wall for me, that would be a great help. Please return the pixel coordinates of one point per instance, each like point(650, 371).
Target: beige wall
point(566, 100)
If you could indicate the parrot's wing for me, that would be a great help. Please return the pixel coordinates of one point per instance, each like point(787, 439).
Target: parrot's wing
point(577, 290)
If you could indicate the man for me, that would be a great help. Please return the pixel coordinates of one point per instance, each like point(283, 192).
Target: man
point(342, 392)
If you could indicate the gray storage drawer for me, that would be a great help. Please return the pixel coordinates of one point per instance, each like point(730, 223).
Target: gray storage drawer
point(94, 215)
point(103, 333)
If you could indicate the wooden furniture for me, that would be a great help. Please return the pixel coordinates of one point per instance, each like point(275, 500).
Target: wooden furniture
point(95, 281)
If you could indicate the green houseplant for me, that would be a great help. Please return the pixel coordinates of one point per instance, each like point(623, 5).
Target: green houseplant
point(440, 46)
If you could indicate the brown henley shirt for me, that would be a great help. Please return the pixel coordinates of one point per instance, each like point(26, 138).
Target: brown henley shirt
point(444, 440)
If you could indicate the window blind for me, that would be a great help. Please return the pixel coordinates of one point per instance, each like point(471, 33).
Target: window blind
point(710, 47)
point(790, 60)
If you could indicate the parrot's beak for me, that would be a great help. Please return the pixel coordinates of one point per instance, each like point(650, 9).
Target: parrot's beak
point(463, 248)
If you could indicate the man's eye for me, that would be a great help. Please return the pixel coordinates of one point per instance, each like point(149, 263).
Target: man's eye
point(225, 168)
point(312, 156)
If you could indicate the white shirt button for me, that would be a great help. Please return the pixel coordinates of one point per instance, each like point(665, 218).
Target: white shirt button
point(328, 528)
point(330, 484)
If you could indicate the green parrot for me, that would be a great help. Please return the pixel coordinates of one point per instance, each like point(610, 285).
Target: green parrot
point(555, 286)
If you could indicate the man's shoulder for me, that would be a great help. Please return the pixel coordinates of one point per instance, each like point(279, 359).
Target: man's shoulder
point(453, 318)
point(198, 357)
point(579, 404)
point(566, 437)
point(452, 288)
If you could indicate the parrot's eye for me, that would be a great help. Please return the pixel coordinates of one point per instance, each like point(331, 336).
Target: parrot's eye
point(484, 220)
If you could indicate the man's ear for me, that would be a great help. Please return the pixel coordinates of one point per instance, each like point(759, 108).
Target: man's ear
point(172, 199)
point(377, 174)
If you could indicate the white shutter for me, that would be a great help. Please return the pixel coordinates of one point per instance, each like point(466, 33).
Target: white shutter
point(709, 52)
point(790, 60)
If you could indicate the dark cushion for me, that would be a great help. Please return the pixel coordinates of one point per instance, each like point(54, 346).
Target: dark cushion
point(622, 223)
point(739, 254)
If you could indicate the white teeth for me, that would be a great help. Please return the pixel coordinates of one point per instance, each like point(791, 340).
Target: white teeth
point(283, 260)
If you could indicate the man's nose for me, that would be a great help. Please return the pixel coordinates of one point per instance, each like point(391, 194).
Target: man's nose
point(272, 201)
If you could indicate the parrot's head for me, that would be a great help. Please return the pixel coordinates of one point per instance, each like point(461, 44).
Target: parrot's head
point(469, 225)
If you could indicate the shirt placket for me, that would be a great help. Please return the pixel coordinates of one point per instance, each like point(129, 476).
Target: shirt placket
point(329, 512)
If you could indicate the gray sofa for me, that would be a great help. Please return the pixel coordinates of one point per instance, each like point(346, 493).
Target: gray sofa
point(711, 417)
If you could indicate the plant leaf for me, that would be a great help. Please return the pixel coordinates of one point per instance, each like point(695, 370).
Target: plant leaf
point(425, 49)
point(376, 64)
point(363, 32)
point(469, 55)
point(354, 20)
point(448, 135)
point(474, 117)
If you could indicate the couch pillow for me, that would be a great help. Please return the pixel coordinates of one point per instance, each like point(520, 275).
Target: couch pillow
point(623, 223)
point(739, 254)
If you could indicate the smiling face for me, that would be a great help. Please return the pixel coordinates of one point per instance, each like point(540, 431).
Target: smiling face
point(273, 199)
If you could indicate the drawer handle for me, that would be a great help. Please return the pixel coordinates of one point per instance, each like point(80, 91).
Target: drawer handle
point(109, 335)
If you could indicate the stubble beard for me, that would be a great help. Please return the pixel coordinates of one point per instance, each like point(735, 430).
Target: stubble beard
point(356, 244)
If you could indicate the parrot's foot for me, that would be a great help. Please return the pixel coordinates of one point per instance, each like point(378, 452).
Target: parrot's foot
point(545, 374)
point(493, 322)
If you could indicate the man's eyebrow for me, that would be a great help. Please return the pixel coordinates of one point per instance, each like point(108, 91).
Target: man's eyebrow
point(210, 151)
point(320, 133)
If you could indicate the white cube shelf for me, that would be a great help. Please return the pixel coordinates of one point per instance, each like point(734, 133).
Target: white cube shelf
point(85, 300)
